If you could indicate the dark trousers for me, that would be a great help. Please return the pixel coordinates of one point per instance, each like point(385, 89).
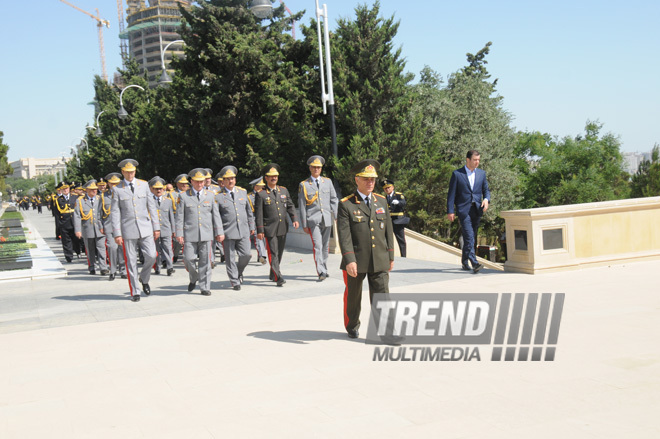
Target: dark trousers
point(378, 284)
point(275, 247)
point(70, 243)
point(400, 233)
point(470, 225)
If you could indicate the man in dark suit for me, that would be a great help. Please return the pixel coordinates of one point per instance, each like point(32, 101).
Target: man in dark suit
point(365, 235)
point(271, 207)
point(64, 206)
point(468, 191)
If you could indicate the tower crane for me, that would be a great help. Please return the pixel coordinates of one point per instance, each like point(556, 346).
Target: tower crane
point(100, 22)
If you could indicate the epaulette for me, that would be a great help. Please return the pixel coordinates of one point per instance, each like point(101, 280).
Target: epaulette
point(238, 187)
point(282, 187)
point(379, 195)
point(398, 193)
point(139, 179)
point(347, 198)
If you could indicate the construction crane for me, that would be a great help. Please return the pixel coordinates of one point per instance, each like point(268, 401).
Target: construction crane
point(100, 22)
point(123, 46)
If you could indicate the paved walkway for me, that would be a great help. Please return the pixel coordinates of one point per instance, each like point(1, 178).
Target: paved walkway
point(79, 360)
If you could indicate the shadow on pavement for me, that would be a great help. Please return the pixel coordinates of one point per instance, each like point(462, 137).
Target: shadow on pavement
point(301, 336)
point(85, 297)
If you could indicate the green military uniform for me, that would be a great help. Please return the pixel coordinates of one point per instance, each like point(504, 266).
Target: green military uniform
point(365, 237)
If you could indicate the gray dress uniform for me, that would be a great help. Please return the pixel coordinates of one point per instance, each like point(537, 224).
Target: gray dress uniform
point(165, 208)
point(87, 221)
point(115, 252)
point(237, 222)
point(135, 219)
point(198, 222)
point(318, 202)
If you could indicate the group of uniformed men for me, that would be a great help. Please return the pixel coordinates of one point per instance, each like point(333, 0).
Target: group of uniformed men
point(132, 217)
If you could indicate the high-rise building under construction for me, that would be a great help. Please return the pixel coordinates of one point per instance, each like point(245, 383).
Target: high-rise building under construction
point(152, 25)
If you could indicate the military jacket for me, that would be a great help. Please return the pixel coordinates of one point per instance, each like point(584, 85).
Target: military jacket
point(365, 234)
point(198, 220)
point(271, 210)
point(165, 215)
point(64, 214)
point(134, 213)
point(236, 213)
point(397, 211)
point(87, 217)
point(318, 205)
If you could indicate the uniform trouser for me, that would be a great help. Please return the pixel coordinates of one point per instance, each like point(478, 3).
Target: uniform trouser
point(96, 253)
point(400, 233)
point(202, 250)
point(233, 247)
point(469, 226)
point(176, 250)
point(116, 255)
point(69, 242)
point(148, 248)
point(378, 284)
point(260, 245)
point(165, 252)
point(275, 246)
point(321, 246)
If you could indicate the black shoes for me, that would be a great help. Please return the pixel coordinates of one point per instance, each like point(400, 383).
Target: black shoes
point(353, 333)
point(280, 282)
point(240, 278)
point(191, 286)
point(466, 268)
point(170, 271)
point(206, 293)
point(104, 272)
point(477, 268)
point(146, 289)
point(322, 277)
point(135, 298)
point(222, 259)
point(123, 276)
point(157, 270)
point(68, 259)
point(92, 271)
point(111, 277)
point(237, 287)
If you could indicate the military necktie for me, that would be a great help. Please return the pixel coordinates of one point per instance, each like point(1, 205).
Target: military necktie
point(198, 195)
point(232, 195)
point(366, 201)
point(317, 184)
point(132, 188)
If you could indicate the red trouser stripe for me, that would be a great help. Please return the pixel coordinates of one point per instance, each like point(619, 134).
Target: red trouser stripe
point(345, 298)
point(86, 254)
point(269, 258)
point(130, 287)
point(313, 251)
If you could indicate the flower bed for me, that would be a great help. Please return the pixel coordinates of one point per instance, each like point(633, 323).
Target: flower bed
point(14, 250)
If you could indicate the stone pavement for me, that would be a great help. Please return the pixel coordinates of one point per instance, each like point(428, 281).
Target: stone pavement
point(81, 360)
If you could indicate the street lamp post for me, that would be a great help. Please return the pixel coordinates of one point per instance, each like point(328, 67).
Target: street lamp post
point(122, 113)
point(261, 8)
point(86, 145)
point(73, 152)
point(329, 96)
point(98, 132)
point(164, 77)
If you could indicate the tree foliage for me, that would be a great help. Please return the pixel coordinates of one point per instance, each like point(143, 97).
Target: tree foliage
point(5, 168)
point(646, 181)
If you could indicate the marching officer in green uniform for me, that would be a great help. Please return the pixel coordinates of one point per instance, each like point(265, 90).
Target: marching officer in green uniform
point(364, 227)
point(272, 205)
point(397, 205)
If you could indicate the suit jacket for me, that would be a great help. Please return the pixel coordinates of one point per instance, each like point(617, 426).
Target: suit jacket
point(461, 195)
point(397, 210)
point(317, 206)
point(87, 217)
point(236, 214)
point(198, 220)
point(165, 215)
point(64, 214)
point(133, 214)
point(271, 211)
point(365, 235)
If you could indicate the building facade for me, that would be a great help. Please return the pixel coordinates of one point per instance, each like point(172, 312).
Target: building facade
point(31, 167)
point(152, 25)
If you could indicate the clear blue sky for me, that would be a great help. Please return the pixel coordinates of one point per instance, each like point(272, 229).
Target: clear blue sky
point(559, 63)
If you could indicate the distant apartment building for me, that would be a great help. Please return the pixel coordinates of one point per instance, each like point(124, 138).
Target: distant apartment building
point(632, 160)
point(31, 167)
point(152, 25)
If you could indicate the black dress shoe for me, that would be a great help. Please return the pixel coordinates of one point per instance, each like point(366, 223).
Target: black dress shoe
point(191, 286)
point(237, 287)
point(111, 277)
point(240, 278)
point(222, 259)
point(477, 268)
point(206, 293)
point(353, 333)
point(104, 272)
point(164, 264)
point(135, 298)
point(466, 268)
point(157, 270)
point(170, 271)
point(68, 259)
point(322, 277)
point(92, 271)
point(123, 276)
point(271, 277)
point(280, 282)
point(146, 289)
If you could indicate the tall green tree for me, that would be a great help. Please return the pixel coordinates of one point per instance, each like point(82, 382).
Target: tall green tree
point(646, 181)
point(583, 169)
point(5, 168)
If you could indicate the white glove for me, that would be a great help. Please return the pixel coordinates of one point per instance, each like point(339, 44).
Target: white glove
point(395, 201)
